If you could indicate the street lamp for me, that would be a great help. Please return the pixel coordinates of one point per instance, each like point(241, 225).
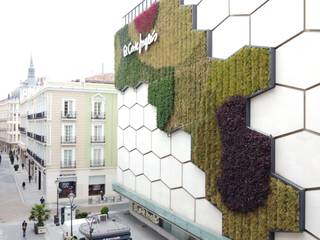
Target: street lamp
point(90, 220)
point(57, 220)
point(71, 197)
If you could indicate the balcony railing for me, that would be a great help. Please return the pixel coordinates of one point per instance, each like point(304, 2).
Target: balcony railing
point(22, 130)
point(98, 115)
point(68, 140)
point(68, 165)
point(36, 157)
point(97, 139)
point(39, 138)
point(137, 10)
point(30, 116)
point(69, 115)
point(40, 115)
point(97, 163)
point(30, 135)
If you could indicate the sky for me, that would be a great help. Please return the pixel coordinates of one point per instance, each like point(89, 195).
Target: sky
point(68, 39)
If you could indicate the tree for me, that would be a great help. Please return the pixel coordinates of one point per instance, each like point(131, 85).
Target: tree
point(39, 214)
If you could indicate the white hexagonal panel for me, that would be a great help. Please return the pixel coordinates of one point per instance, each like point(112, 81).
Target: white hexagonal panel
point(129, 138)
point(150, 117)
point(230, 36)
point(297, 61)
point(244, 6)
point(194, 180)
point(312, 109)
point(136, 162)
point(123, 117)
point(160, 143)
point(277, 111)
point(276, 21)
point(160, 193)
point(129, 97)
point(123, 158)
point(313, 212)
point(151, 166)
point(136, 117)
point(143, 186)
point(182, 203)
point(208, 215)
point(119, 175)
point(144, 140)
point(129, 180)
point(293, 236)
point(298, 158)
point(119, 99)
point(181, 146)
point(312, 14)
point(171, 172)
point(211, 12)
point(120, 137)
point(142, 94)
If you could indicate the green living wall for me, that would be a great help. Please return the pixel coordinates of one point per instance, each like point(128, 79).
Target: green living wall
point(188, 88)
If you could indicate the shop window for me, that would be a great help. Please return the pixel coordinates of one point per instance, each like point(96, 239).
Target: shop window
point(95, 189)
point(67, 188)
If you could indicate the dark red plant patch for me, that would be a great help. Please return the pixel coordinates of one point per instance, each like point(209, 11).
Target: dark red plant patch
point(246, 159)
point(145, 21)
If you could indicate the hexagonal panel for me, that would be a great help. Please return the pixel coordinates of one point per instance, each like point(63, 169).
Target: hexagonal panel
point(230, 36)
point(208, 215)
point(136, 162)
point(244, 6)
point(211, 13)
point(129, 180)
point(123, 158)
point(129, 138)
point(277, 111)
point(119, 175)
point(276, 21)
point(194, 180)
point(181, 146)
point(123, 117)
point(182, 203)
point(151, 166)
point(150, 117)
point(313, 212)
point(160, 143)
point(143, 186)
point(144, 140)
point(171, 172)
point(129, 97)
point(142, 94)
point(312, 14)
point(120, 137)
point(312, 109)
point(119, 99)
point(297, 61)
point(160, 193)
point(136, 117)
point(293, 236)
point(298, 159)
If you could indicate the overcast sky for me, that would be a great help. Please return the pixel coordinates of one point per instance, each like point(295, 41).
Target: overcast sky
point(68, 39)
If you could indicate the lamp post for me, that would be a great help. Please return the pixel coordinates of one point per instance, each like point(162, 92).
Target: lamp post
point(71, 197)
point(58, 192)
point(90, 219)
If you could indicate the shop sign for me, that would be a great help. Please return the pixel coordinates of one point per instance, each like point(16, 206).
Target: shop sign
point(145, 213)
point(143, 44)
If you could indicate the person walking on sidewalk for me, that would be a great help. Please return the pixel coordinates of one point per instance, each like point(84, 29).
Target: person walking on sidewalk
point(42, 200)
point(0, 159)
point(23, 185)
point(30, 177)
point(24, 228)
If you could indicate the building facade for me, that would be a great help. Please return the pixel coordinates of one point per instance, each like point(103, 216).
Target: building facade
point(222, 140)
point(70, 135)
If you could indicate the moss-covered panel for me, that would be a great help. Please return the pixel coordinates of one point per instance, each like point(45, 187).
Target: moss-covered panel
point(187, 88)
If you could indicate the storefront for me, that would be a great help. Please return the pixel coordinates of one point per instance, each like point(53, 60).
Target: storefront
point(96, 185)
point(67, 184)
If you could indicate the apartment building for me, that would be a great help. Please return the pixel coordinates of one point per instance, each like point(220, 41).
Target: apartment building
point(9, 122)
point(70, 135)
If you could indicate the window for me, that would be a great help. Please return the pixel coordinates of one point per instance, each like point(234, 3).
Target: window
point(68, 108)
point(97, 108)
point(97, 130)
point(67, 159)
point(68, 133)
point(97, 158)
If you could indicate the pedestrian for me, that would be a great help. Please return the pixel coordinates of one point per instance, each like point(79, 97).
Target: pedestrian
point(24, 228)
point(42, 200)
point(23, 185)
point(0, 159)
point(30, 177)
point(101, 194)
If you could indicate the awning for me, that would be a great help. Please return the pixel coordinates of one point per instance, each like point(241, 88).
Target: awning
point(95, 180)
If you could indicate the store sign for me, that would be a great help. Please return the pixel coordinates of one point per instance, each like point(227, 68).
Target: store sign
point(145, 213)
point(143, 44)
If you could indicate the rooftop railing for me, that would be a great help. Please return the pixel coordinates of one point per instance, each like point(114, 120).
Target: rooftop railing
point(137, 10)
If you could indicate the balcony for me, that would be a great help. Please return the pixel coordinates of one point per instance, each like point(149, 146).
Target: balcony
point(40, 115)
point(68, 115)
point(68, 165)
point(97, 163)
point(98, 115)
point(36, 157)
point(68, 140)
point(39, 138)
point(97, 139)
point(22, 130)
point(30, 135)
point(30, 116)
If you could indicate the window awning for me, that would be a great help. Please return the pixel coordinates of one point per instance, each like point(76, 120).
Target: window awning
point(94, 180)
